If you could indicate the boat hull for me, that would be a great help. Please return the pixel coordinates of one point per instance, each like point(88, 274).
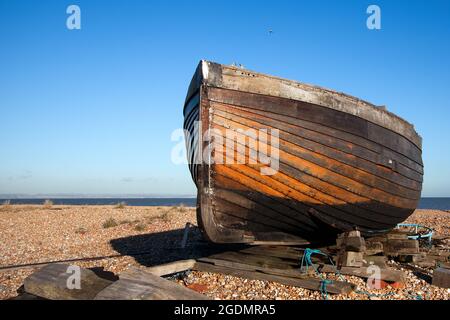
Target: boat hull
point(335, 171)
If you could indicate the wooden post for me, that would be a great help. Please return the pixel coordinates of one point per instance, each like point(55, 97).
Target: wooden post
point(185, 235)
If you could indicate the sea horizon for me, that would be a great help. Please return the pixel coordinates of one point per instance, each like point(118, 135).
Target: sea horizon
point(434, 203)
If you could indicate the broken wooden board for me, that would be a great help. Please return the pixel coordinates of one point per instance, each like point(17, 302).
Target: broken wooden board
point(275, 251)
point(54, 281)
point(292, 273)
point(395, 247)
point(257, 260)
point(336, 287)
point(350, 259)
point(379, 261)
point(364, 272)
point(441, 278)
point(397, 234)
point(356, 244)
point(137, 284)
point(171, 268)
point(373, 247)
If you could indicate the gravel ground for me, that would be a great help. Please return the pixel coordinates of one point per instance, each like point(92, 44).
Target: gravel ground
point(35, 234)
point(152, 235)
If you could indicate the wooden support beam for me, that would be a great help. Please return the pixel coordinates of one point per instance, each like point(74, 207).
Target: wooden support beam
point(292, 273)
point(171, 268)
point(395, 247)
point(373, 247)
point(356, 244)
point(379, 261)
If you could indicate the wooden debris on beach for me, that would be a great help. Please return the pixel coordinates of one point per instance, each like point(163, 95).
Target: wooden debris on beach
point(171, 268)
point(53, 282)
point(379, 261)
point(138, 284)
point(279, 264)
point(441, 277)
point(287, 277)
point(386, 274)
point(397, 247)
point(373, 247)
point(351, 248)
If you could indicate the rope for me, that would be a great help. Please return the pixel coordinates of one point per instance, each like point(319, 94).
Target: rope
point(306, 262)
point(418, 235)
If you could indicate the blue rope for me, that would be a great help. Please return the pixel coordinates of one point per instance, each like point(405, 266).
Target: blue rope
point(418, 236)
point(323, 288)
point(306, 262)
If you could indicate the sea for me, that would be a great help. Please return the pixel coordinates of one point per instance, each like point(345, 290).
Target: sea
point(425, 203)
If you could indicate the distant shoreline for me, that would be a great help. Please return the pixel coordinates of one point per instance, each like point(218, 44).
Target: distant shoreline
point(425, 203)
point(138, 202)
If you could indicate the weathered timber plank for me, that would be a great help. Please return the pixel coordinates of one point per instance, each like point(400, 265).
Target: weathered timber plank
point(256, 260)
point(351, 244)
point(136, 284)
point(373, 247)
point(51, 282)
point(395, 247)
point(445, 265)
point(336, 287)
point(363, 272)
point(172, 267)
point(379, 261)
point(441, 277)
point(291, 273)
point(282, 252)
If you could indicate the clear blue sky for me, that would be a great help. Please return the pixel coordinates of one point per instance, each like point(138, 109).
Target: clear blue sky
point(92, 110)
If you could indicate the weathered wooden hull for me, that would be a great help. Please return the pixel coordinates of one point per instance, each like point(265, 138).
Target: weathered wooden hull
point(343, 163)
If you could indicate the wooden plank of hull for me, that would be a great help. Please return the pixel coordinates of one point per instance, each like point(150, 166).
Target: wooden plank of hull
point(332, 178)
point(322, 142)
point(332, 174)
point(339, 167)
point(362, 146)
point(320, 115)
point(338, 210)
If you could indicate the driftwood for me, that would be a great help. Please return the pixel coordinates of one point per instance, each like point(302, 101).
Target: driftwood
point(136, 284)
point(53, 282)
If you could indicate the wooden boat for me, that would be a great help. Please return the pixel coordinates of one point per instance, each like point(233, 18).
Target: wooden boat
point(343, 164)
